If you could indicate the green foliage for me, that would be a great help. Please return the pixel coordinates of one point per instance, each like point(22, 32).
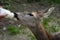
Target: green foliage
point(44, 1)
point(32, 1)
point(22, 27)
point(52, 26)
point(58, 20)
point(54, 29)
point(57, 1)
point(21, 30)
point(12, 30)
point(46, 20)
point(32, 36)
point(26, 31)
point(6, 2)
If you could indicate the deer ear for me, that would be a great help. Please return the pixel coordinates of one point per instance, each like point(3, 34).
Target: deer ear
point(43, 11)
point(50, 10)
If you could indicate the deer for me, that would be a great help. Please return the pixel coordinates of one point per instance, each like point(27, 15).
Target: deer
point(34, 22)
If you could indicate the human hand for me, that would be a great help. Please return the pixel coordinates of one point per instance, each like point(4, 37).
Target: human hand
point(3, 15)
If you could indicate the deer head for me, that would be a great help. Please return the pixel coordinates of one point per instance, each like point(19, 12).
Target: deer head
point(37, 16)
point(43, 13)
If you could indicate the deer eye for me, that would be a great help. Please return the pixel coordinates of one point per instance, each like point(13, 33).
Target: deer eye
point(30, 14)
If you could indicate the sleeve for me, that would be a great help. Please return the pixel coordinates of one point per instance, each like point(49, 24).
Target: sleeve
point(10, 14)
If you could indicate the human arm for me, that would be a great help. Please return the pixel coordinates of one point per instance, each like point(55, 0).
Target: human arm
point(3, 15)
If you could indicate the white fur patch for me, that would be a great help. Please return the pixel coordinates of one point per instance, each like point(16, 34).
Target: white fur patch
point(10, 15)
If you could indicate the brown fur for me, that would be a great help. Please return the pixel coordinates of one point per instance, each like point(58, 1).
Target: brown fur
point(41, 14)
point(45, 32)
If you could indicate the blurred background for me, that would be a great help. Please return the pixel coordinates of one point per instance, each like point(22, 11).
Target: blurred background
point(15, 31)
